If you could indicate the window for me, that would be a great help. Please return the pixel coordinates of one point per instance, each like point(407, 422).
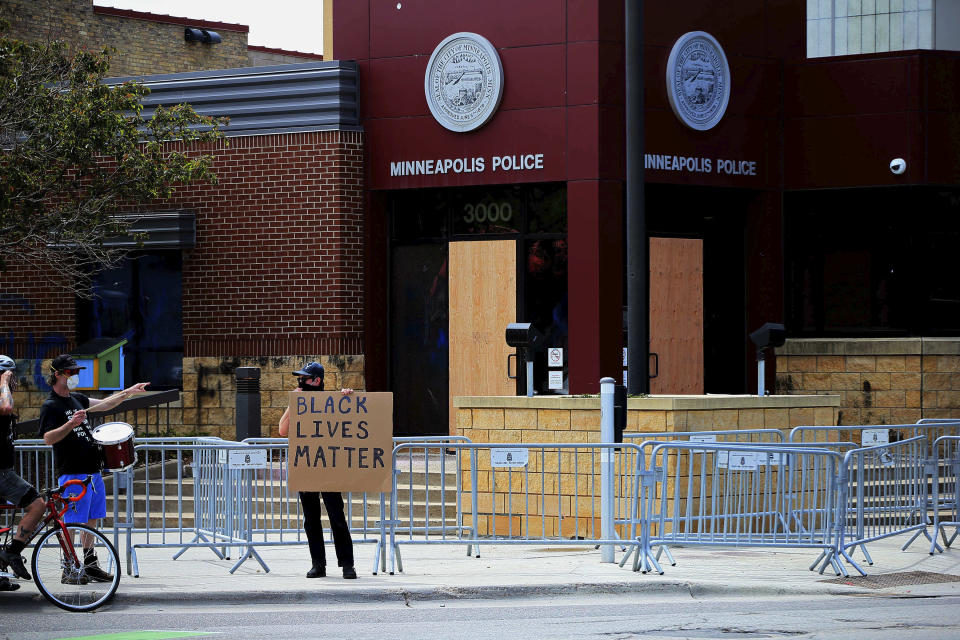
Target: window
point(140, 301)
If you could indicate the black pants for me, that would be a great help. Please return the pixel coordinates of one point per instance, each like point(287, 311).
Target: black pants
point(312, 525)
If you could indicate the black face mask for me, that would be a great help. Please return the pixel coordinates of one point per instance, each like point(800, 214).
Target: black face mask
point(302, 383)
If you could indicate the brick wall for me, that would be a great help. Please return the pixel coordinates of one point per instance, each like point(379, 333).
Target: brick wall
point(146, 45)
point(36, 316)
point(277, 271)
point(879, 381)
point(267, 56)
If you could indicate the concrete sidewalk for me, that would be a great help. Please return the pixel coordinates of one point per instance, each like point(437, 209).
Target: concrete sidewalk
point(445, 571)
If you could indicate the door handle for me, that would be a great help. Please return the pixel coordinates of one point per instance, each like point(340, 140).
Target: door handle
point(656, 364)
point(514, 376)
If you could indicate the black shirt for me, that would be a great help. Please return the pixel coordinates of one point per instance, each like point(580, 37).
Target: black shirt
point(6, 440)
point(78, 452)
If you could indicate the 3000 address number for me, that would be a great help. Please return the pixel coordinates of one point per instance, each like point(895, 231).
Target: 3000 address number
point(493, 212)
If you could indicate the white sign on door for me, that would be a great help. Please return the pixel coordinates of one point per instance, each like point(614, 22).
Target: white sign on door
point(555, 379)
point(554, 357)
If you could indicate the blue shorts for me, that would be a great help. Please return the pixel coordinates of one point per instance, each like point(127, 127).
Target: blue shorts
point(92, 505)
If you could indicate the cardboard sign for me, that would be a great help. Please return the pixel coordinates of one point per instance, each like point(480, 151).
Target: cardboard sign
point(340, 442)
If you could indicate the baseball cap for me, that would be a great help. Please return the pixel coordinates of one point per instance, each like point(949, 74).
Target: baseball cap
point(64, 362)
point(311, 369)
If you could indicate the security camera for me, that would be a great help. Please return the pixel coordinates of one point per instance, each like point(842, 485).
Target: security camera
point(898, 166)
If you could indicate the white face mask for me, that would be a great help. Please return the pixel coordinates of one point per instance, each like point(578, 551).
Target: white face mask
point(73, 382)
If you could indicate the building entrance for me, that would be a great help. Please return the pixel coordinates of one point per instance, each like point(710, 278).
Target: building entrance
point(464, 264)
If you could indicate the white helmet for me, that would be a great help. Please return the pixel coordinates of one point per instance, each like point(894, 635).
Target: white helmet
point(7, 364)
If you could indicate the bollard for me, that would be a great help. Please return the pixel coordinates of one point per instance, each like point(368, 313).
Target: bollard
point(248, 402)
point(606, 467)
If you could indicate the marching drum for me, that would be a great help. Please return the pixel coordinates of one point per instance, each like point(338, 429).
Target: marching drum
point(116, 441)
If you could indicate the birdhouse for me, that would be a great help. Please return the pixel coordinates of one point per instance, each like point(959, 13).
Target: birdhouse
point(103, 359)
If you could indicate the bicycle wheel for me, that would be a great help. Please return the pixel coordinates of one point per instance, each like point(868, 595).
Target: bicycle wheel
point(63, 581)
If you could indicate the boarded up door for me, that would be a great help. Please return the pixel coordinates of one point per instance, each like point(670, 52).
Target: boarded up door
point(483, 301)
point(676, 314)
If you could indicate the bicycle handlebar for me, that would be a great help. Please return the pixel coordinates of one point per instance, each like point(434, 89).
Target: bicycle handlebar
point(70, 483)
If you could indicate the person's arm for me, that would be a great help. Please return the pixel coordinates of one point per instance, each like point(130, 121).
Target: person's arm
point(54, 436)
point(6, 396)
point(284, 426)
point(110, 402)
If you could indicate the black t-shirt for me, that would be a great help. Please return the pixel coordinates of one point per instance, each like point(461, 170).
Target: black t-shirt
point(78, 452)
point(6, 440)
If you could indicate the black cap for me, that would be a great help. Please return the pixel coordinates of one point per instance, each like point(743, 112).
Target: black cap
point(64, 362)
point(311, 369)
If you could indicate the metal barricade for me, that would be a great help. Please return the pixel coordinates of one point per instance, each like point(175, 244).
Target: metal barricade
point(33, 460)
point(187, 495)
point(739, 495)
point(183, 495)
point(513, 494)
point(945, 491)
point(625, 464)
point(277, 518)
point(419, 501)
point(883, 492)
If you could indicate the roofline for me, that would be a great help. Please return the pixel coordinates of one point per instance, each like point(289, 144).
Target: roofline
point(156, 17)
point(204, 74)
point(285, 52)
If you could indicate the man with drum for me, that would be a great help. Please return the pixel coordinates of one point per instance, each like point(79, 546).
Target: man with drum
point(12, 487)
point(63, 424)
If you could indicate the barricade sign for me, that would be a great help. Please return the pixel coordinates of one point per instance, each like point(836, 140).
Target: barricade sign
point(340, 442)
point(246, 458)
point(513, 458)
point(874, 437)
point(744, 461)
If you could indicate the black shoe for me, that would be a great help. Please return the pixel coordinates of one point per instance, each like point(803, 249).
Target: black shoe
point(91, 567)
point(70, 577)
point(349, 573)
point(317, 572)
point(15, 562)
point(96, 574)
point(6, 585)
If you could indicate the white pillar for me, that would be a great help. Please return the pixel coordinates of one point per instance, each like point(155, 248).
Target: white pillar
point(606, 468)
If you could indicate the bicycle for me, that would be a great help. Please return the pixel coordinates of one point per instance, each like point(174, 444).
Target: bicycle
point(58, 571)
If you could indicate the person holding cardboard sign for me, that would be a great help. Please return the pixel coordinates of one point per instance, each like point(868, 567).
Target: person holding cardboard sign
point(310, 378)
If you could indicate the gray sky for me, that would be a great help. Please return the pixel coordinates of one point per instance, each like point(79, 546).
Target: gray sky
point(296, 25)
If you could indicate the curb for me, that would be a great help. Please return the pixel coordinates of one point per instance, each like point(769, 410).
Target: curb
point(490, 592)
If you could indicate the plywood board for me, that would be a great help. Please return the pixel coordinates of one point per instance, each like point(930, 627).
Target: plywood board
point(676, 314)
point(483, 301)
point(340, 442)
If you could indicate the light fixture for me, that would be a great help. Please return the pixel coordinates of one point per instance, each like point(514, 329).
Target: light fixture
point(191, 34)
point(769, 335)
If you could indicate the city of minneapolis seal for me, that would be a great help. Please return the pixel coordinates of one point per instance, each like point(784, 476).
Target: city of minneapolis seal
point(698, 80)
point(464, 82)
